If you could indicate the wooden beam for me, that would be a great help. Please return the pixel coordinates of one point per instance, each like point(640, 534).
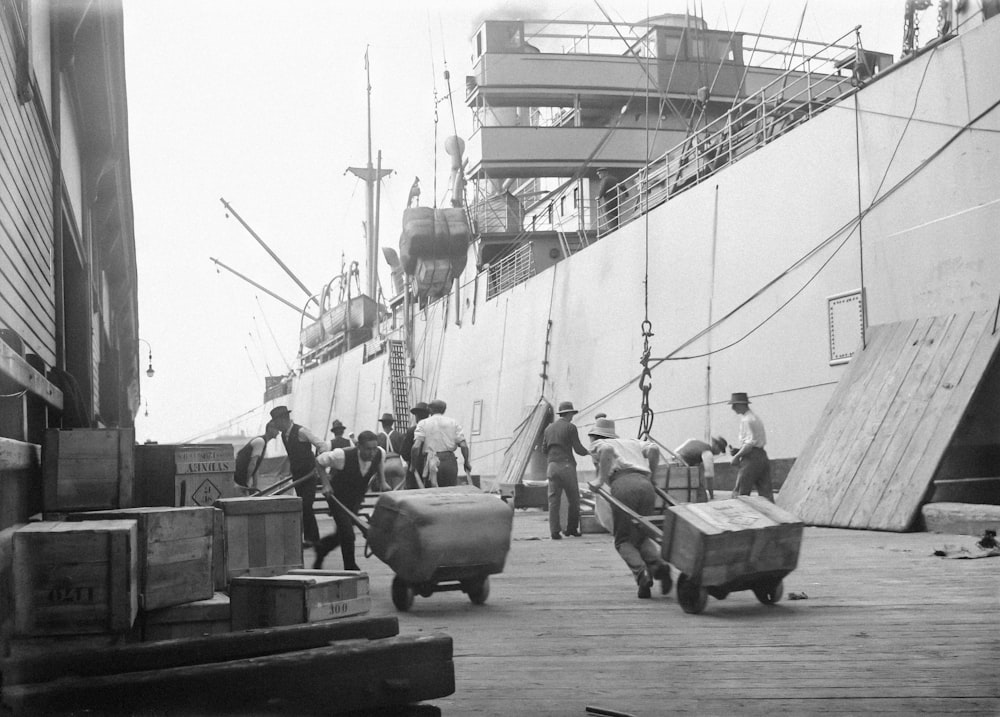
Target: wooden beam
point(18, 455)
point(20, 371)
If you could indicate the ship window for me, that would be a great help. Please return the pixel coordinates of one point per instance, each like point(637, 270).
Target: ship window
point(846, 322)
point(576, 197)
point(548, 213)
point(477, 418)
point(534, 218)
point(562, 206)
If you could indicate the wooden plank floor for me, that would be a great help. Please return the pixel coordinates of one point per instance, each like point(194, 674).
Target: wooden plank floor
point(887, 628)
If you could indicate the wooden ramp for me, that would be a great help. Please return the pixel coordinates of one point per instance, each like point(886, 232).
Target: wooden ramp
point(870, 462)
point(526, 437)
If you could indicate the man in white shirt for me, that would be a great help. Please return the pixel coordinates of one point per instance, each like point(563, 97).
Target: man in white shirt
point(437, 437)
point(749, 455)
point(627, 466)
point(345, 474)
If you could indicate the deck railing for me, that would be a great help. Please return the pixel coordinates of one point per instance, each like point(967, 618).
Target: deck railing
point(513, 269)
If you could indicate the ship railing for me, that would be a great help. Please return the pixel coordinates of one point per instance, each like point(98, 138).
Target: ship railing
point(791, 98)
point(515, 268)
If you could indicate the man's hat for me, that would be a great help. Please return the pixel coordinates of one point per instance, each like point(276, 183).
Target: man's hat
point(420, 408)
point(739, 398)
point(337, 425)
point(566, 407)
point(603, 428)
point(387, 418)
point(437, 405)
point(279, 412)
point(719, 444)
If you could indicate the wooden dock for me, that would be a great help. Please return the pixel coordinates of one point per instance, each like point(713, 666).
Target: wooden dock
point(887, 628)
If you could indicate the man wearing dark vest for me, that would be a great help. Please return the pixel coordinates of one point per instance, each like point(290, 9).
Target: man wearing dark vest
point(345, 474)
point(391, 441)
point(301, 446)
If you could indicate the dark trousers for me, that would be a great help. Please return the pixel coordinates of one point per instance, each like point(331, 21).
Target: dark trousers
point(639, 552)
point(755, 472)
point(306, 490)
point(562, 479)
point(344, 537)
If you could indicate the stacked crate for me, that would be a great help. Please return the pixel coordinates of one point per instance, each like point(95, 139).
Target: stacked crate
point(128, 552)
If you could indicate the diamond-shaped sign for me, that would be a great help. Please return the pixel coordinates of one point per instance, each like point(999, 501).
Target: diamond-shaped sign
point(206, 494)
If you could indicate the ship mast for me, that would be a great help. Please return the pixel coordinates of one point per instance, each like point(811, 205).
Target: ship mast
point(370, 175)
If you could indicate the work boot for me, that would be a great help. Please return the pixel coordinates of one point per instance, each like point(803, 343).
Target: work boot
point(323, 548)
point(557, 536)
point(645, 582)
point(662, 573)
point(573, 533)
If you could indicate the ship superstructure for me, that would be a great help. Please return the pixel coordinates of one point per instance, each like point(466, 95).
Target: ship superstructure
point(765, 206)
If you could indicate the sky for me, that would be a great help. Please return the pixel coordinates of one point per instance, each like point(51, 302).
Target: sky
point(263, 103)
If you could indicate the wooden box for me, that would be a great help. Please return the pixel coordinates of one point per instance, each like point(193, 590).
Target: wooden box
point(193, 619)
point(263, 536)
point(75, 578)
point(87, 469)
point(219, 549)
point(304, 596)
point(723, 541)
point(184, 474)
point(175, 552)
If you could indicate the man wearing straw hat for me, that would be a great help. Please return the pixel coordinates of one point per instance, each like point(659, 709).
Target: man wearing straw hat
point(560, 441)
point(749, 454)
point(627, 466)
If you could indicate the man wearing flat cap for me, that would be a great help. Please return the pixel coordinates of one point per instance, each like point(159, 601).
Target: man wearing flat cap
point(437, 437)
point(413, 464)
point(560, 441)
point(627, 467)
point(749, 454)
point(301, 445)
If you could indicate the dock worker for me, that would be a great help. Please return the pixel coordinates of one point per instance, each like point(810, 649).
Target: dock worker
point(301, 445)
point(413, 465)
point(560, 441)
point(345, 474)
point(391, 440)
point(754, 467)
point(339, 440)
point(250, 457)
point(609, 199)
point(627, 466)
point(695, 452)
point(436, 438)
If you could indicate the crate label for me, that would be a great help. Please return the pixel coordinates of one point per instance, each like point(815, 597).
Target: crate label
point(204, 460)
point(74, 595)
point(730, 515)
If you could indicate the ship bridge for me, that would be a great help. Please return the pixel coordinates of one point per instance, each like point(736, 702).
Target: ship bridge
point(654, 104)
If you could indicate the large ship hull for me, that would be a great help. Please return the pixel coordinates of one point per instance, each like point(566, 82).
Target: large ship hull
point(894, 190)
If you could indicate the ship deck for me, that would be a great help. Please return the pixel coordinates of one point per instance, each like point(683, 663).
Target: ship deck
point(886, 627)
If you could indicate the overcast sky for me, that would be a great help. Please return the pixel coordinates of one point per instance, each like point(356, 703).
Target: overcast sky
point(263, 103)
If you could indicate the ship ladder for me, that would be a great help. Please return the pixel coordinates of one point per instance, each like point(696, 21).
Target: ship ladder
point(399, 385)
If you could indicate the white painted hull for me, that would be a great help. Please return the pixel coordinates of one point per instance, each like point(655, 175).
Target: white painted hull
point(929, 245)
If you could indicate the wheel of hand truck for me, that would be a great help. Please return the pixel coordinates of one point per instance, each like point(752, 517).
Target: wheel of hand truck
point(479, 590)
point(402, 594)
point(691, 596)
point(769, 591)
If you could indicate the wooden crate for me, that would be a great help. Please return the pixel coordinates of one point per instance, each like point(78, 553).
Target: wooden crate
point(722, 541)
point(263, 536)
point(184, 474)
point(301, 597)
point(219, 549)
point(75, 578)
point(193, 619)
point(175, 552)
point(87, 469)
